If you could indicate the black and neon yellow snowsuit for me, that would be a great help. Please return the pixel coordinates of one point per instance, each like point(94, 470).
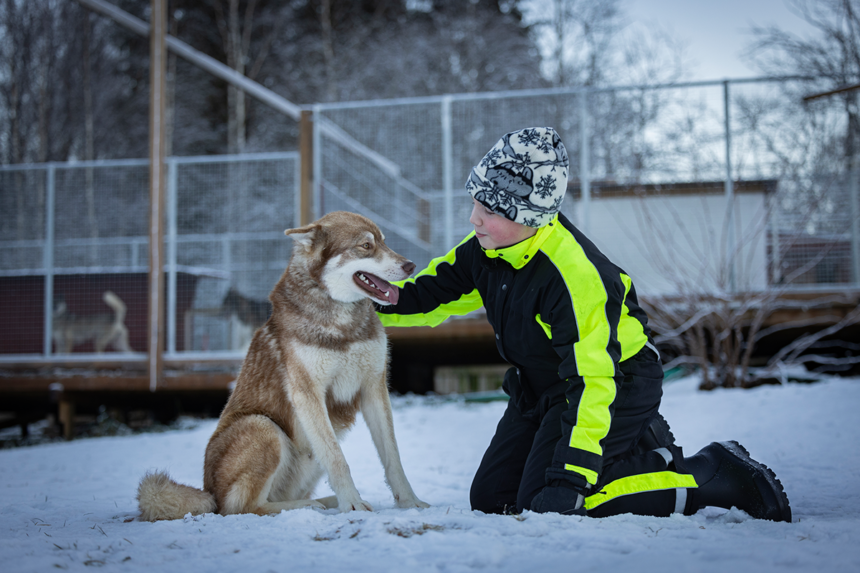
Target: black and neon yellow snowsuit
point(584, 386)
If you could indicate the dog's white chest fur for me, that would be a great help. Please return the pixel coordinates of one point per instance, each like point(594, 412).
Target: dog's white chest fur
point(343, 371)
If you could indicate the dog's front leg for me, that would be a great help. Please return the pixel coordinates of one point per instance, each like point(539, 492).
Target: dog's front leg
point(376, 409)
point(310, 409)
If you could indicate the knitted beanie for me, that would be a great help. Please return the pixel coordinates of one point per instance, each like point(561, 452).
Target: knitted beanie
point(523, 177)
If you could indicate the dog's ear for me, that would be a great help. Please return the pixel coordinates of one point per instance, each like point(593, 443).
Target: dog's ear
point(305, 235)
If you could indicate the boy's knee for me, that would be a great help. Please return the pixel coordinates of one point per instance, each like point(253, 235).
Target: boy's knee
point(485, 499)
point(480, 500)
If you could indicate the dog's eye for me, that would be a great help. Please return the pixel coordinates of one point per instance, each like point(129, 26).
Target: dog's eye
point(366, 246)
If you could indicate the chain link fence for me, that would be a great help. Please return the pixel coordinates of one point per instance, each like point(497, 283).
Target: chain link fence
point(74, 254)
point(705, 188)
point(708, 187)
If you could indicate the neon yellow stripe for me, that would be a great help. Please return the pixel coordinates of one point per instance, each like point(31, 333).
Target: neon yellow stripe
point(546, 328)
point(589, 475)
point(520, 254)
point(592, 415)
point(589, 306)
point(449, 258)
point(631, 336)
point(464, 305)
point(639, 484)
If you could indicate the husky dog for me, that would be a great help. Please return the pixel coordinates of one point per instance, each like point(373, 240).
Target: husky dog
point(251, 315)
point(103, 329)
point(319, 359)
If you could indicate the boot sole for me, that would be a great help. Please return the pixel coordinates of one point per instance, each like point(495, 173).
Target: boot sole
point(770, 487)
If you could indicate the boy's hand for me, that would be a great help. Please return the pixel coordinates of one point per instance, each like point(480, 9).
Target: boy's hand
point(560, 496)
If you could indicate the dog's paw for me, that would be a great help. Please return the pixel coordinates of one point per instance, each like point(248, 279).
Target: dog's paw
point(329, 502)
point(315, 504)
point(411, 502)
point(356, 504)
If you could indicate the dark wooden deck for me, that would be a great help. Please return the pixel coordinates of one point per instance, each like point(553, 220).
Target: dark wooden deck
point(30, 390)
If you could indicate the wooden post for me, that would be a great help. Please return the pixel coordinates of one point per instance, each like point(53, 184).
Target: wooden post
point(306, 154)
point(67, 417)
point(157, 76)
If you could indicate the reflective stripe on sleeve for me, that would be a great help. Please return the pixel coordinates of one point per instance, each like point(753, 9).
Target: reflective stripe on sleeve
point(630, 334)
point(592, 416)
point(589, 475)
point(463, 305)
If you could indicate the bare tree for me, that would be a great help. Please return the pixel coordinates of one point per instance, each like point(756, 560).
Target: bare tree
point(576, 38)
point(807, 149)
point(592, 43)
point(833, 55)
point(719, 334)
point(237, 33)
point(722, 328)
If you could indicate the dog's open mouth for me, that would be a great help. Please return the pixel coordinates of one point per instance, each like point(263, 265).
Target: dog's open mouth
point(378, 288)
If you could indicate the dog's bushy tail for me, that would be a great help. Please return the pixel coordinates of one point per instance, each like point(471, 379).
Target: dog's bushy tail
point(119, 308)
point(159, 497)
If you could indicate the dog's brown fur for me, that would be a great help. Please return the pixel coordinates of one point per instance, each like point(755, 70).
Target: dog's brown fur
point(319, 359)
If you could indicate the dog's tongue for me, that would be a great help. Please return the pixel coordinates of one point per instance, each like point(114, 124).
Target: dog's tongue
point(384, 287)
point(393, 291)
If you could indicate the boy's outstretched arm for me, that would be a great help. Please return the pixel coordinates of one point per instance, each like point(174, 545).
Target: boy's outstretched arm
point(443, 289)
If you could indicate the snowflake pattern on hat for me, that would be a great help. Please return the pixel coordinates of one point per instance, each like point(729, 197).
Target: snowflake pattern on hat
point(523, 177)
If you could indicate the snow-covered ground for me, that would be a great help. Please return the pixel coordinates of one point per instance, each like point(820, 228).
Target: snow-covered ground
point(71, 505)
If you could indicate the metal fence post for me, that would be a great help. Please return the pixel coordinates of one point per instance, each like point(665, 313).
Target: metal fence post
point(447, 173)
point(855, 217)
point(172, 199)
point(48, 256)
point(775, 246)
point(729, 193)
point(584, 162)
point(316, 185)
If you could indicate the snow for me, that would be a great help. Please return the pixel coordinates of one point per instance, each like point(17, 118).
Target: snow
point(72, 505)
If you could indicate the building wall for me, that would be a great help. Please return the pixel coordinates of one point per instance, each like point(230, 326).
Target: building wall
point(677, 244)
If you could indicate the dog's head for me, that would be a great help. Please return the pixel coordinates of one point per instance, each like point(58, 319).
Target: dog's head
point(232, 302)
point(346, 254)
point(60, 307)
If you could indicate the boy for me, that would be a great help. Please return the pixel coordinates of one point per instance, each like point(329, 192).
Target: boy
point(581, 433)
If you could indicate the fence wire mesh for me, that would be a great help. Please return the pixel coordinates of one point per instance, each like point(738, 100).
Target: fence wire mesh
point(713, 187)
point(74, 257)
point(653, 173)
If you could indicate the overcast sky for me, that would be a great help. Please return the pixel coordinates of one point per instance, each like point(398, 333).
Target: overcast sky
point(717, 32)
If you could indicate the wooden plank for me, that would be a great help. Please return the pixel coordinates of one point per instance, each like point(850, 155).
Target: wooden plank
point(197, 381)
point(180, 375)
point(157, 77)
point(458, 329)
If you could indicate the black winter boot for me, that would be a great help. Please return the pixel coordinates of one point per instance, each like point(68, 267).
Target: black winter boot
point(658, 435)
point(728, 477)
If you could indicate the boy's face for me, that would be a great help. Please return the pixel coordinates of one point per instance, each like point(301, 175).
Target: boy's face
point(494, 231)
